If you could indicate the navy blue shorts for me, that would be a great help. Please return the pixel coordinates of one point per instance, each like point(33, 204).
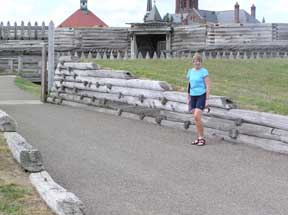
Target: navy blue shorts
point(197, 102)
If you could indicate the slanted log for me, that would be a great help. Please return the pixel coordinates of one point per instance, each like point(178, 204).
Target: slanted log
point(133, 83)
point(6, 122)
point(69, 103)
point(269, 145)
point(56, 197)
point(81, 66)
point(208, 122)
point(262, 132)
point(28, 157)
point(261, 118)
point(151, 103)
point(114, 90)
point(100, 73)
point(216, 101)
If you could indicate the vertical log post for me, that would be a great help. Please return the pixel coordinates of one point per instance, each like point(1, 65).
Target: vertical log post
point(20, 65)
point(15, 30)
point(29, 31)
point(1, 30)
point(36, 31)
point(44, 86)
point(22, 31)
point(43, 31)
point(8, 30)
point(51, 54)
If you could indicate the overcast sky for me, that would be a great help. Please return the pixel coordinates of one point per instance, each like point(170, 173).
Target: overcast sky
point(118, 12)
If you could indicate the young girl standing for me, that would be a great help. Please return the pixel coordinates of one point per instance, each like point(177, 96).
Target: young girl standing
point(198, 94)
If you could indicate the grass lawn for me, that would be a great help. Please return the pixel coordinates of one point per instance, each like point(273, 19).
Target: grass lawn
point(260, 85)
point(17, 195)
point(28, 86)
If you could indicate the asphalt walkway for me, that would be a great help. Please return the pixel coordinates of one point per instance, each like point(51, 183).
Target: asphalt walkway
point(127, 167)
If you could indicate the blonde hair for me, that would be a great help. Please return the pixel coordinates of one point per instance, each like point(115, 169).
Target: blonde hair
point(197, 57)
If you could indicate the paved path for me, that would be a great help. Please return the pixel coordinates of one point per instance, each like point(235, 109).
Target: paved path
point(122, 167)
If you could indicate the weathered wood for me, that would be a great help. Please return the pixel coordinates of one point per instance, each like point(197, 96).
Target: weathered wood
point(262, 132)
point(79, 66)
point(121, 91)
point(100, 73)
point(7, 123)
point(215, 101)
point(261, 118)
point(133, 83)
point(208, 122)
point(56, 197)
point(51, 55)
point(270, 145)
point(44, 76)
point(28, 157)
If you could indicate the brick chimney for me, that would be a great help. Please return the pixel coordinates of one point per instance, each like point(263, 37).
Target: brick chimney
point(185, 5)
point(236, 13)
point(253, 11)
point(196, 5)
point(177, 9)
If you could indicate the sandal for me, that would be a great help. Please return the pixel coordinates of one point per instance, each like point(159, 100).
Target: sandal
point(195, 142)
point(201, 142)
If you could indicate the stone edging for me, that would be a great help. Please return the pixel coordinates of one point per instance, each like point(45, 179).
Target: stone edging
point(56, 197)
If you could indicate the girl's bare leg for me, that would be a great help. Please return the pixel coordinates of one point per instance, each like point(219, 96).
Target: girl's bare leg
point(198, 123)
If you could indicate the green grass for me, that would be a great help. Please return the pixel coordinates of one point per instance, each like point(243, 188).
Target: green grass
point(28, 86)
point(10, 196)
point(260, 85)
point(17, 195)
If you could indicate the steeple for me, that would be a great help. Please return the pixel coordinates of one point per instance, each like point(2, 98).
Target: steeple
point(153, 15)
point(83, 6)
point(149, 5)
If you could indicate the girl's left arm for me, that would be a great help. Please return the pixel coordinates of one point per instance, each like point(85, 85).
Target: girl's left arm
point(207, 83)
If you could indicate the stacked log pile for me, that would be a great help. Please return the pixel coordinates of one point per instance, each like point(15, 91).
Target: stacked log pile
point(81, 84)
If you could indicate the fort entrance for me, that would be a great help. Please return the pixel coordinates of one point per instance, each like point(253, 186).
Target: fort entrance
point(150, 38)
point(151, 44)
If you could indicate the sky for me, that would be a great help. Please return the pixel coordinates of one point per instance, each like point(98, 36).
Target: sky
point(116, 13)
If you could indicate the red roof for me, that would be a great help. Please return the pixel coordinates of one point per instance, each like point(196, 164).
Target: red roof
point(80, 19)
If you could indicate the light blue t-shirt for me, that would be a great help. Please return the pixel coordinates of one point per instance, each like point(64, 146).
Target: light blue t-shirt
point(197, 81)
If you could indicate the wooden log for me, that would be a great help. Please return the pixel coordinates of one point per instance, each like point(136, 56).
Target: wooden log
point(28, 157)
point(56, 197)
point(214, 133)
point(100, 73)
point(7, 123)
point(269, 145)
point(122, 91)
point(133, 83)
point(208, 122)
point(86, 106)
point(215, 101)
point(261, 118)
point(262, 132)
point(81, 66)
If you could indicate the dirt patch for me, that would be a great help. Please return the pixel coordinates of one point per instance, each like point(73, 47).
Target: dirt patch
point(17, 194)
